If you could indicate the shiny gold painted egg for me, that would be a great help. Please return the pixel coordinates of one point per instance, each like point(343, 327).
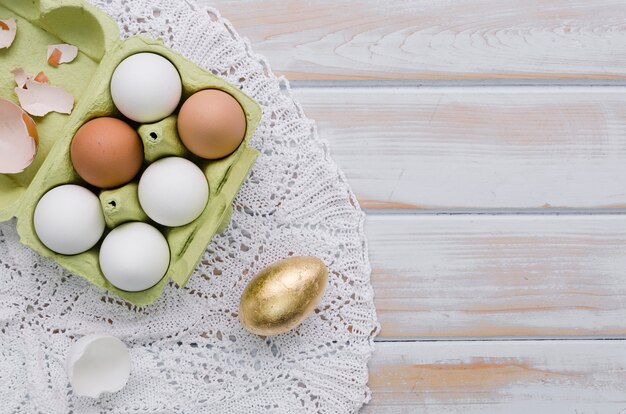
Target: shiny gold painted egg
point(282, 295)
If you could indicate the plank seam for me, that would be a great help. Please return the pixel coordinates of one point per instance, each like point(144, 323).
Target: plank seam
point(379, 340)
point(496, 212)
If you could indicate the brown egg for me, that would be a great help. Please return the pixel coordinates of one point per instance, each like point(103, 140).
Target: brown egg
point(211, 124)
point(107, 152)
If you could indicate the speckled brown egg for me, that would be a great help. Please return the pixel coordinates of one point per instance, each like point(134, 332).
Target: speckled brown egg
point(211, 124)
point(107, 152)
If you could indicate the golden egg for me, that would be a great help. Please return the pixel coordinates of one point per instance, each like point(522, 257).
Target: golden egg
point(282, 295)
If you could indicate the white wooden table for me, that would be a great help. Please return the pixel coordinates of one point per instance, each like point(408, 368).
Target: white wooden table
point(487, 141)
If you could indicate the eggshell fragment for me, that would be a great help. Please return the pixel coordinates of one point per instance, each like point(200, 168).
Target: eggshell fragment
point(18, 138)
point(54, 57)
point(8, 30)
point(62, 53)
point(43, 98)
point(97, 364)
point(41, 78)
point(39, 99)
point(21, 76)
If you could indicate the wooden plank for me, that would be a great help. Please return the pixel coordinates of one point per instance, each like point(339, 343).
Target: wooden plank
point(435, 40)
point(499, 377)
point(474, 148)
point(477, 276)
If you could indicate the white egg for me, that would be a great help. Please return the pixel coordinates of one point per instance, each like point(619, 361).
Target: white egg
point(68, 219)
point(97, 364)
point(134, 256)
point(173, 191)
point(146, 87)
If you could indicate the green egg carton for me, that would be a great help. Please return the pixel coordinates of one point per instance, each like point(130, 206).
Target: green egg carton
point(45, 22)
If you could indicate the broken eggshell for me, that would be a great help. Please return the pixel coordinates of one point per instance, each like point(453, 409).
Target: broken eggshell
point(18, 138)
point(62, 53)
point(41, 78)
point(97, 364)
point(21, 76)
point(8, 30)
point(39, 99)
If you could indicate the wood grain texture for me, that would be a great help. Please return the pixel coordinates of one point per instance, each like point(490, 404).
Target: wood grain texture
point(462, 279)
point(435, 40)
point(511, 377)
point(527, 276)
point(466, 148)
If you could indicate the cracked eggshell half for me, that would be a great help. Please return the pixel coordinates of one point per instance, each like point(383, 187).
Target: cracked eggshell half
point(97, 364)
point(18, 138)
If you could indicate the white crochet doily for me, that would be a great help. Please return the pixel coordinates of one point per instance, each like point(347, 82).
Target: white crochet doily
point(189, 352)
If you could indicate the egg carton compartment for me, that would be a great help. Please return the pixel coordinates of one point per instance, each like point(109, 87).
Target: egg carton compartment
point(225, 176)
point(160, 140)
point(43, 23)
